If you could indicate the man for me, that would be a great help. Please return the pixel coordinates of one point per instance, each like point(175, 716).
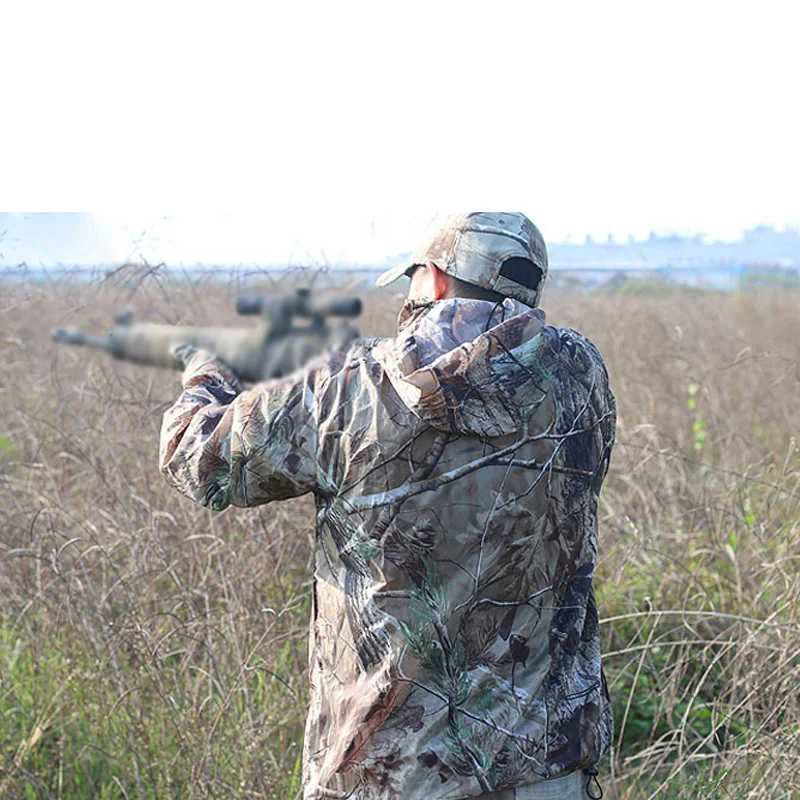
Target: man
point(454, 646)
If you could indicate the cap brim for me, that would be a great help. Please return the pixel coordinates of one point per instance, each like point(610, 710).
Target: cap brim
point(391, 275)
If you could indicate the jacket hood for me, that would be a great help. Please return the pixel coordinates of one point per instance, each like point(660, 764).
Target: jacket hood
point(468, 366)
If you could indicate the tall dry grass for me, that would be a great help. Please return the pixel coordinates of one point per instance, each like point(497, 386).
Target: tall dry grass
point(152, 649)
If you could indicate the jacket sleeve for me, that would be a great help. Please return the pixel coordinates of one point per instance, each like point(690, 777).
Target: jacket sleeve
point(223, 446)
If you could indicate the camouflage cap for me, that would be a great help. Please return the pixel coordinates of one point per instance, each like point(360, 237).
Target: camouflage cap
point(491, 249)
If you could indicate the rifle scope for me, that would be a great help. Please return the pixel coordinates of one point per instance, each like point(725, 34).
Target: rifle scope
point(302, 304)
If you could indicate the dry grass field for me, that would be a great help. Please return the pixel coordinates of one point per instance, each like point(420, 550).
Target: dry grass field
point(152, 649)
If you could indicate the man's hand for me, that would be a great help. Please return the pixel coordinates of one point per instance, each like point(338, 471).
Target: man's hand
point(200, 366)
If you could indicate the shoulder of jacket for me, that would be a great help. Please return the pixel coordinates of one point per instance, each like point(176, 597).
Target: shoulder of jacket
point(573, 350)
point(576, 362)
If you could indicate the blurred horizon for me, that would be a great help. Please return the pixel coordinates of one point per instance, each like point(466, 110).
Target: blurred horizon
point(52, 239)
point(636, 122)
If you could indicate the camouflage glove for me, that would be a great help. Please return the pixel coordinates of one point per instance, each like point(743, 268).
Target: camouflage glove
point(201, 366)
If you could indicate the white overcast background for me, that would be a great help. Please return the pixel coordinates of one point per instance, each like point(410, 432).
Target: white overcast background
point(262, 131)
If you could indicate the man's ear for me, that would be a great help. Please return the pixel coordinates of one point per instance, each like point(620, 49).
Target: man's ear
point(439, 280)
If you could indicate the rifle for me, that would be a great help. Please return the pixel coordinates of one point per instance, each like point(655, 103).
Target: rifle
point(274, 348)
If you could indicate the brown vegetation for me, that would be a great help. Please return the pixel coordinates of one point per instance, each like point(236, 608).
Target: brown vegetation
point(150, 648)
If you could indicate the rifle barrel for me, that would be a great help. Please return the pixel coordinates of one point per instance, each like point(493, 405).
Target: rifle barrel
point(71, 336)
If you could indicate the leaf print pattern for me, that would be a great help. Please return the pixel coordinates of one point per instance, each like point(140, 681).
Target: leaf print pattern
point(454, 642)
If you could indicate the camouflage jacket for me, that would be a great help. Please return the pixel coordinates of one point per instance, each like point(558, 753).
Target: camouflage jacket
point(456, 468)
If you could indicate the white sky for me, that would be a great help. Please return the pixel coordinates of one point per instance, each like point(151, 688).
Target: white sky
point(305, 122)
